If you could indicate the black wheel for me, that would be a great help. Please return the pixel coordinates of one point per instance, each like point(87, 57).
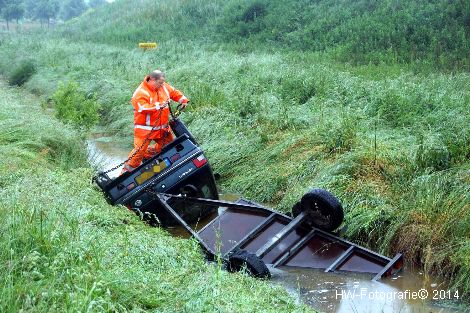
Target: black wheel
point(193, 212)
point(324, 210)
point(189, 212)
point(243, 259)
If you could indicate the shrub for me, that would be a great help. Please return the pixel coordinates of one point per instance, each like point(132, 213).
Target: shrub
point(74, 107)
point(21, 74)
point(243, 19)
point(254, 11)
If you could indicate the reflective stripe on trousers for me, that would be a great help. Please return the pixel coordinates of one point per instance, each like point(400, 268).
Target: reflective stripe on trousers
point(150, 127)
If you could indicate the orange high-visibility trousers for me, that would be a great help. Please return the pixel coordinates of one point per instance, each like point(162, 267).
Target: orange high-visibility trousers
point(146, 150)
point(158, 145)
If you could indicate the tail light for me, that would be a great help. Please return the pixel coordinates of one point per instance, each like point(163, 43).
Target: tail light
point(200, 161)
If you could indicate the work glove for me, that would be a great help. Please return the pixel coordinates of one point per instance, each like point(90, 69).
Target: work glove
point(183, 104)
point(163, 104)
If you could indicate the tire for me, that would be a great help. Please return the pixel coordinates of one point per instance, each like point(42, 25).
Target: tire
point(243, 259)
point(189, 213)
point(324, 210)
point(194, 212)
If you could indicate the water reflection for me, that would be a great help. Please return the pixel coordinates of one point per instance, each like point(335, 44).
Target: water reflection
point(104, 154)
point(355, 292)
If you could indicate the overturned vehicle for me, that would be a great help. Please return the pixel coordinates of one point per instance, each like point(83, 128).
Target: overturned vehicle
point(177, 187)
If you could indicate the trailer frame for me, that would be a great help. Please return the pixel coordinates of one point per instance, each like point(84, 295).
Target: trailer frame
point(346, 259)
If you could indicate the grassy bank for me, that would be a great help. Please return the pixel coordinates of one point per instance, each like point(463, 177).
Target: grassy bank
point(64, 249)
point(391, 140)
point(434, 33)
point(394, 147)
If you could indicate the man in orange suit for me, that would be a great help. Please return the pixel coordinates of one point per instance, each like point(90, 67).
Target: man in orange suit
point(151, 117)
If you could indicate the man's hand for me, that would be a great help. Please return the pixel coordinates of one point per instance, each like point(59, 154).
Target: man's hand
point(183, 105)
point(163, 104)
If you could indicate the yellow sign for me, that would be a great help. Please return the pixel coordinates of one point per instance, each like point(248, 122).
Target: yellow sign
point(157, 168)
point(147, 45)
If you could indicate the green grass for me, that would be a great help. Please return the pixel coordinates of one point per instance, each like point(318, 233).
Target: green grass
point(63, 249)
point(390, 139)
point(274, 126)
point(360, 32)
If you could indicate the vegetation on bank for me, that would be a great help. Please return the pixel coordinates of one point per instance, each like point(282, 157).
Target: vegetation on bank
point(63, 248)
point(73, 106)
point(391, 141)
point(432, 33)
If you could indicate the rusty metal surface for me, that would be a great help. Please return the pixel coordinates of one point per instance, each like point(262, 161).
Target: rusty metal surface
point(319, 252)
point(267, 234)
point(228, 228)
point(251, 227)
point(359, 262)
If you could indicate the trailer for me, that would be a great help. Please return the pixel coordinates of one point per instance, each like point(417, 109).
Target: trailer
point(177, 187)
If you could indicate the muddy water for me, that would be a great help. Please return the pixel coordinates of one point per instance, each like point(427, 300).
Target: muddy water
point(104, 154)
point(353, 292)
point(409, 291)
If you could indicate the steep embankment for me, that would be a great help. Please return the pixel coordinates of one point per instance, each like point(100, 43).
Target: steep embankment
point(393, 144)
point(433, 32)
point(64, 249)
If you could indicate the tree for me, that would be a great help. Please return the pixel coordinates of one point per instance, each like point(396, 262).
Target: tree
point(46, 9)
point(72, 8)
point(2, 6)
point(12, 10)
point(30, 6)
point(96, 3)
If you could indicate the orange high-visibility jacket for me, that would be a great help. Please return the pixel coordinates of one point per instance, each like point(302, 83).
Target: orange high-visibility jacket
point(151, 109)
